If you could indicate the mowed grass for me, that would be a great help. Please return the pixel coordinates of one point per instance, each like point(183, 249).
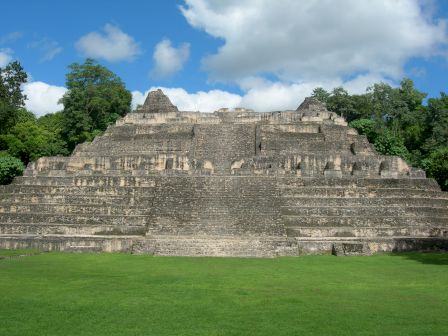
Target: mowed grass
point(119, 294)
point(15, 253)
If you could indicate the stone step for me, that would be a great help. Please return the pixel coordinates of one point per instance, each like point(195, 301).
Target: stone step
point(39, 198)
point(176, 224)
point(350, 183)
point(70, 208)
point(380, 231)
point(285, 183)
point(307, 246)
point(360, 221)
point(72, 229)
point(213, 226)
point(358, 201)
point(75, 190)
point(83, 249)
point(362, 193)
point(51, 218)
point(59, 242)
point(304, 192)
point(367, 211)
point(219, 247)
point(103, 180)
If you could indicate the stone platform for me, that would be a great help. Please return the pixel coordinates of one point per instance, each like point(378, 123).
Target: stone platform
point(239, 183)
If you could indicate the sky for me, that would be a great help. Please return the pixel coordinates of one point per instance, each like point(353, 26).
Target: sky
point(208, 54)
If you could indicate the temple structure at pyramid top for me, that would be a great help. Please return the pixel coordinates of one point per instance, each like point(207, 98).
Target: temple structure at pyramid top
point(225, 183)
point(157, 102)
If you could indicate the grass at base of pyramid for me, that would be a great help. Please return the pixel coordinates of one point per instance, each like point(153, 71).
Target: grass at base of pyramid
point(120, 294)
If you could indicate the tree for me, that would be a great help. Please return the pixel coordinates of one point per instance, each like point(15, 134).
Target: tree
point(12, 76)
point(9, 168)
point(436, 165)
point(53, 123)
point(321, 95)
point(367, 127)
point(96, 98)
point(437, 121)
point(384, 140)
point(351, 107)
point(27, 141)
point(389, 143)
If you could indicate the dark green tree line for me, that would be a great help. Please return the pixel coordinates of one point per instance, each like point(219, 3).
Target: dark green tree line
point(396, 122)
point(96, 97)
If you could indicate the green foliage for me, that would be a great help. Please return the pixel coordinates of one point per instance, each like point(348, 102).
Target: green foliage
point(24, 115)
point(96, 98)
point(28, 142)
point(54, 124)
point(341, 102)
point(365, 126)
point(396, 122)
point(385, 141)
point(321, 94)
point(8, 116)
point(9, 168)
point(389, 143)
point(12, 76)
point(436, 165)
point(437, 121)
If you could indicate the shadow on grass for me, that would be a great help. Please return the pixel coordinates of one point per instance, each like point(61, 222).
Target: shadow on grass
point(433, 258)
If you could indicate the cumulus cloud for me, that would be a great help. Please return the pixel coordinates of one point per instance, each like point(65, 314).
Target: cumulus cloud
point(199, 101)
point(5, 56)
point(260, 94)
point(305, 40)
point(168, 59)
point(113, 45)
point(43, 98)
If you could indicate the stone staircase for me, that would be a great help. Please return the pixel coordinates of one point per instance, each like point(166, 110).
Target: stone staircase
point(240, 183)
point(375, 212)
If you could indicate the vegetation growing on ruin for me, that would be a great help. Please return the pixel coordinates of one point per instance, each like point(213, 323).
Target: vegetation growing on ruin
point(119, 294)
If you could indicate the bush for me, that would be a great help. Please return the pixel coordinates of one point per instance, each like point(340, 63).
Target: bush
point(9, 168)
point(388, 143)
point(365, 126)
point(436, 165)
point(385, 141)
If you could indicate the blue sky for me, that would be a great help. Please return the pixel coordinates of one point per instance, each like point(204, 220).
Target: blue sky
point(261, 54)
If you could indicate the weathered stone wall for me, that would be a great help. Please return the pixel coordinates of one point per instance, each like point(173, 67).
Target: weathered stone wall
point(239, 183)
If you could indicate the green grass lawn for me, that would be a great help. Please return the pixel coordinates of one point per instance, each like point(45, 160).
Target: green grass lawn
point(119, 294)
point(15, 253)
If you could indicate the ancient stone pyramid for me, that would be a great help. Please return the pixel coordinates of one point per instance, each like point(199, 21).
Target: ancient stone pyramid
point(237, 183)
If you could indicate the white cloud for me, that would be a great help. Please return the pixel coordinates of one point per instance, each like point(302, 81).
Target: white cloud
point(113, 46)
point(260, 94)
point(199, 101)
point(314, 39)
point(10, 37)
point(275, 96)
point(168, 59)
point(5, 56)
point(43, 98)
point(48, 47)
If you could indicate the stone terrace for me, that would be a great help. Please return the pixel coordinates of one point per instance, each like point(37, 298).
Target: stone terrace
point(238, 183)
